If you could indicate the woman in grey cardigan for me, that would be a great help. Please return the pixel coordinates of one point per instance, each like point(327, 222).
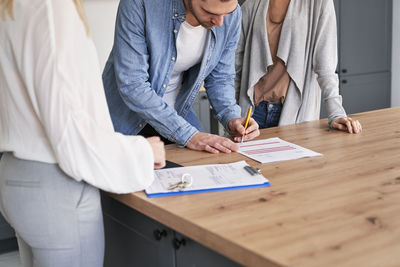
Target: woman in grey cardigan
point(287, 56)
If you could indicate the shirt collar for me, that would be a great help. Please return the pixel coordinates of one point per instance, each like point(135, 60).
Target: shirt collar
point(178, 9)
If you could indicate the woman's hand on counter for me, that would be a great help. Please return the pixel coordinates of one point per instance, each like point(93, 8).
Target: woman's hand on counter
point(158, 151)
point(348, 125)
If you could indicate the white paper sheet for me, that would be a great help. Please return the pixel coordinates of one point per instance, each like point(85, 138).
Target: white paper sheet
point(206, 177)
point(274, 149)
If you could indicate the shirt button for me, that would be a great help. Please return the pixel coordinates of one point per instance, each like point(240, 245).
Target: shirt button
point(140, 125)
point(164, 85)
point(176, 15)
point(173, 58)
point(175, 31)
point(270, 105)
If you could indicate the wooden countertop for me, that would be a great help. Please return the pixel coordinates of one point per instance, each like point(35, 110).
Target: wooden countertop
point(342, 209)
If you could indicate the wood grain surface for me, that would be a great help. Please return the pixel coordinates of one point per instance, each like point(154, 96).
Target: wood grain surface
point(341, 209)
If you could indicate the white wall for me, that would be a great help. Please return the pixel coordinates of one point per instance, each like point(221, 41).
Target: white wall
point(101, 15)
point(396, 55)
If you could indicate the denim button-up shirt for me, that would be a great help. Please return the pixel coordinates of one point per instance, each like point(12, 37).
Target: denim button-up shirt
point(141, 62)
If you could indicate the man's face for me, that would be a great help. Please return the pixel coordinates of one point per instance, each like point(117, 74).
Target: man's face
point(210, 13)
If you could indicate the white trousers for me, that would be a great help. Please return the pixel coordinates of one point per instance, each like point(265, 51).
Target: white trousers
point(58, 221)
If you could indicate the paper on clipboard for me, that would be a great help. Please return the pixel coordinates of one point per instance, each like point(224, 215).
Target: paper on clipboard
point(206, 178)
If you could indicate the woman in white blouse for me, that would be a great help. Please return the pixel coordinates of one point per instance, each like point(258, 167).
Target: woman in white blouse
point(58, 137)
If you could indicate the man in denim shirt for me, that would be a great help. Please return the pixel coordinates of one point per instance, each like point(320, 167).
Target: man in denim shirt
point(163, 51)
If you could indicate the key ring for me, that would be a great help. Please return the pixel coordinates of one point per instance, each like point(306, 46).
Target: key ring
point(190, 179)
point(186, 181)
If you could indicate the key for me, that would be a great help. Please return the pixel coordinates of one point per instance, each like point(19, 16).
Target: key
point(182, 184)
point(175, 186)
point(179, 186)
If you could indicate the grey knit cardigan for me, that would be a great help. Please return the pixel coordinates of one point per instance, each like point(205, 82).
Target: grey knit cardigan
point(307, 46)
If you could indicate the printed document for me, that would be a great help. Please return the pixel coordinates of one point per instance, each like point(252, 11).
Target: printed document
point(205, 178)
point(274, 149)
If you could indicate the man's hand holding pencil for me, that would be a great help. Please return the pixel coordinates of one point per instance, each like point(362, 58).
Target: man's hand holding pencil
point(244, 129)
point(241, 128)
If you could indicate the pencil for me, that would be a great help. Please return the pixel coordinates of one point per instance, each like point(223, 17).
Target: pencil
point(246, 123)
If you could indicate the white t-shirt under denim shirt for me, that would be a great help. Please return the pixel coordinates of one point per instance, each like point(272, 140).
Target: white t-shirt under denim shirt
point(52, 103)
point(190, 45)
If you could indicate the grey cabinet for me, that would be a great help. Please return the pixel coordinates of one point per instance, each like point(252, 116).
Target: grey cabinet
point(6, 231)
point(364, 41)
point(195, 254)
point(365, 92)
point(8, 242)
point(133, 239)
point(365, 36)
point(203, 110)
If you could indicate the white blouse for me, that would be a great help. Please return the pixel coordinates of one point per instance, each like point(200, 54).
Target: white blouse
point(52, 103)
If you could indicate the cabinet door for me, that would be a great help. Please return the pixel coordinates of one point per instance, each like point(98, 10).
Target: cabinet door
point(133, 239)
point(8, 242)
point(6, 231)
point(191, 253)
point(204, 111)
point(201, 107)
point(365, 36)
point(365, 92)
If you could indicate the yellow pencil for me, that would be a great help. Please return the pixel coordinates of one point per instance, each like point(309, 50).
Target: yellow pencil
point(246, 123)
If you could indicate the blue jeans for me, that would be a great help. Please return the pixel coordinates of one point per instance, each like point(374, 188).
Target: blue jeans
point(267, 114)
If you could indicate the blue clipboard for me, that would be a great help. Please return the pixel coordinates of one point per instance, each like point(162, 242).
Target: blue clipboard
point(189, 192)
point(170, 164)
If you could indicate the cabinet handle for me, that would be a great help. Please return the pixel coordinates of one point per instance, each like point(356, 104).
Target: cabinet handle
point(159, 234)
point(344, 81)
point(178, 243)
point(344, 70)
